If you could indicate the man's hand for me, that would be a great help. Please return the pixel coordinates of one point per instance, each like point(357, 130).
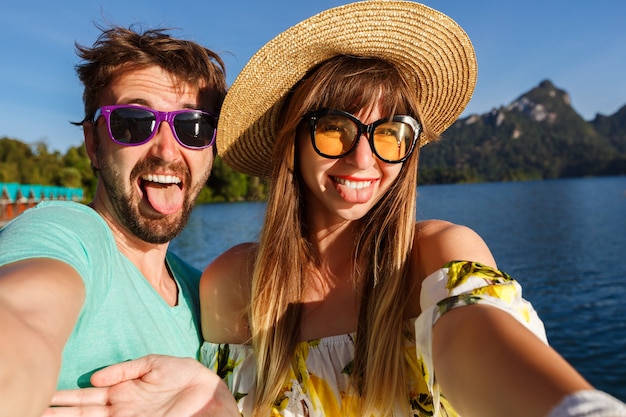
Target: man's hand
point(151, 386)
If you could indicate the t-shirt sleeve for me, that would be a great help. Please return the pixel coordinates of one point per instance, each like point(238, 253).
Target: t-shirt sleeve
point(463, 283)
point(69, 232)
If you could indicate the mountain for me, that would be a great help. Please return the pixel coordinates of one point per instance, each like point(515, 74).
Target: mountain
point(538, 136)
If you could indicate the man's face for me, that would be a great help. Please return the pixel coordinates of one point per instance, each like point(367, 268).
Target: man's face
point(148, 190)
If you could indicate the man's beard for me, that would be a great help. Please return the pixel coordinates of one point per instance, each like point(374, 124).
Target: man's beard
point(126, 202)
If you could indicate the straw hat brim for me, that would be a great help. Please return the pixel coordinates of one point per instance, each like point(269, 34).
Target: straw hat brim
point(431, 49)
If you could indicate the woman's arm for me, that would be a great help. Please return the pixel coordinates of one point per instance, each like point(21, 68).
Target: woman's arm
point(225, 295)
point(489, 364)
point(486, 362)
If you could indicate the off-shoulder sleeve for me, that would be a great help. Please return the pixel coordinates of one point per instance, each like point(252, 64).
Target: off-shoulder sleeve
point(462, 283)
point(235, 365)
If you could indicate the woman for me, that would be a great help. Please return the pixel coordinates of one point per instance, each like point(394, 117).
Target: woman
point(346, 306)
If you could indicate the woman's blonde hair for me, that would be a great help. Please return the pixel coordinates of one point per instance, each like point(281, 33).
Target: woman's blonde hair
point(384, 237)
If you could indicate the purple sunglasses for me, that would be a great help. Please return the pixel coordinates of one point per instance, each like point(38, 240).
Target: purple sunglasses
point(134, 125)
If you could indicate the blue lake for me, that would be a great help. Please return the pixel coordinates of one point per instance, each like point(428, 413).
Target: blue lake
point(563, 240)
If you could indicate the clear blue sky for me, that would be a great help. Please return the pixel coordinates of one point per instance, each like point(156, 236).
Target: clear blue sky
point(580, 46)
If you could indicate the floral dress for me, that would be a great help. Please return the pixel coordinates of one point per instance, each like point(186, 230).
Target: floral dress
point(319, 379)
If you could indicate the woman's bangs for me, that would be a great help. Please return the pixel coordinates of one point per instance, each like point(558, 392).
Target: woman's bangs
point(355, 94)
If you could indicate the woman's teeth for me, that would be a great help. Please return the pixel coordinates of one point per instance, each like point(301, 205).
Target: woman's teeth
point(355, 185)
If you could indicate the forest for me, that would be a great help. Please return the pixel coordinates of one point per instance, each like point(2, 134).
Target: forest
point(538, 136)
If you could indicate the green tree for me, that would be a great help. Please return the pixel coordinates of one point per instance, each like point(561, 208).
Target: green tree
point(15, 158)
point(70, 177)
point(76, 157)
point(227, 184)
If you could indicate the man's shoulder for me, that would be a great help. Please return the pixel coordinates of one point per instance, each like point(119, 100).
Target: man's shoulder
point(63, 213)
point(55, 224)
point(62, 205)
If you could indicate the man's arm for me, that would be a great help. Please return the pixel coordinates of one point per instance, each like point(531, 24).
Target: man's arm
point(40, 300)
point(151, 386)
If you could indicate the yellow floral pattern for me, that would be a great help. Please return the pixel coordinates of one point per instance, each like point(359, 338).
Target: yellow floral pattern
point(319, 381)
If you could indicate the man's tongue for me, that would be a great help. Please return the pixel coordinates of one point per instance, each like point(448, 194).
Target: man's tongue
point(164, 198)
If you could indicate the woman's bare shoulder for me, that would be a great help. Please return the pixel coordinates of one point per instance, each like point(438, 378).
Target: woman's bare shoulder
point(225, 295)
point(438, 242)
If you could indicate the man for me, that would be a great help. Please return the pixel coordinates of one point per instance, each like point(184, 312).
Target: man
point(83, 287)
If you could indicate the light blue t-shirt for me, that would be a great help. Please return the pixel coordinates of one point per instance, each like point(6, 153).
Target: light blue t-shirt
point(123, 316)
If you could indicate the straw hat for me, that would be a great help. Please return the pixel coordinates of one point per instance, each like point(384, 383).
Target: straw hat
point(431, 50)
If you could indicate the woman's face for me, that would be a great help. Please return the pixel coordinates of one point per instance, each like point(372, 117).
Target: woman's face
point(348, 187)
